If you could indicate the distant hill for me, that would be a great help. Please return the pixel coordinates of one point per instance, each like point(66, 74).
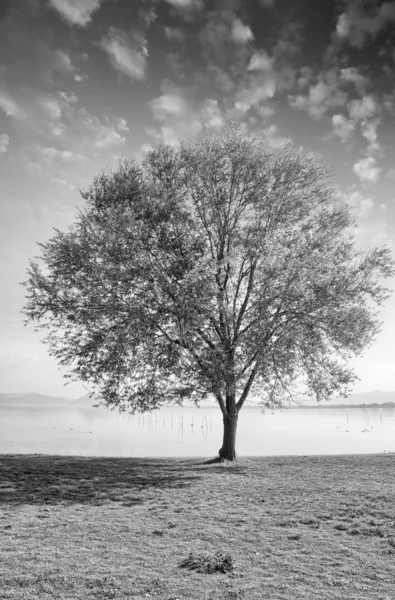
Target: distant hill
point(33, 399)
point(372, 398)
point(84, 402)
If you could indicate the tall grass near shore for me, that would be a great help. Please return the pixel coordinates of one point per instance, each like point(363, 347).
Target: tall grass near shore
point(291, 527)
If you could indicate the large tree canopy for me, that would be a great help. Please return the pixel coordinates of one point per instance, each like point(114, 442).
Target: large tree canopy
point(223, 268)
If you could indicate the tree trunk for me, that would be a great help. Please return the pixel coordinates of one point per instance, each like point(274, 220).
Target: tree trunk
point(228, 450)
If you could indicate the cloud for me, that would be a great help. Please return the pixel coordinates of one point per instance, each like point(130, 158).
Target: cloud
point(168, 106)
point(127, 53)
point(363, 113)
point(210, 114)
point(321, 97)
point(50, 107)
point(342, 127)
point(8, 105)
point(174, 34)
point(63, 155)
point(254, 92)
point(362, 109)
point(102, 137)
point(224, 38)
point(369, 132)
point(266, 3)
point(261, 61)
point(275, 138)
point(196, 4)
point(4, 141)
point(366, 169)
point(352, 75)
point(361, 22)
point(241, 34)
point(290, 40)
point(360, 205)
point(175, 65)
point(180, 116)
point(70, 98)
point(305, 77)
point(221, 78)
point(121, 125)
point(62, 62)
point(76, 12)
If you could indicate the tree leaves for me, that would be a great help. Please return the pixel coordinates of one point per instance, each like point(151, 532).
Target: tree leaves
point(224, 267)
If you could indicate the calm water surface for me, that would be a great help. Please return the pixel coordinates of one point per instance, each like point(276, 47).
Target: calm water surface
point(195, 432)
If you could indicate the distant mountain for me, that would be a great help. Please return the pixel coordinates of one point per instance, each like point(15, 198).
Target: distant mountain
point(374, 397)
point(84, 402)
point(33, 399)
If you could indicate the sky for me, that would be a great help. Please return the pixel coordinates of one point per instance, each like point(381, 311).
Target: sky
point(84, 83)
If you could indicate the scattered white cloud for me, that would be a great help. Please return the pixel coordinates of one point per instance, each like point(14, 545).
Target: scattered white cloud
point(121, 125)
point(50, 107)
point(275, 138)
point(70, 98)
point(185, 3)
point(35, 168)
point(370, 217)
point(180, 116)
point(4, 141)
point(254, 93)
point(364, 108)
point(175, 64)
point(266, 111)
point(360, 205)
point(363, 114)
point(366, 169)
point(352, 75)
point(102, 137)
point(261, 61)
point(168, 106)
point(62, 62)
point(147, 15)
point(127, 53)
point(221, 78)
point(321, 97)
point(174, 34)
point(240, 33)
point(290, 40)
point(362, 21)
point(8, 105)
point(342, 127)
point(63, 155)
point(210, 114)
point(305, 77)
point(76, 12)
point(369, 132)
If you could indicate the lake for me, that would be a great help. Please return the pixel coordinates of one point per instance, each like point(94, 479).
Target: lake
point(189, 431)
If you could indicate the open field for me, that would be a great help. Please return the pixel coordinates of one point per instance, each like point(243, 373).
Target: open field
point(76, 528)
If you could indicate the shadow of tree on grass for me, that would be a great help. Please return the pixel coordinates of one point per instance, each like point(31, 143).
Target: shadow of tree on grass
point(42, 479)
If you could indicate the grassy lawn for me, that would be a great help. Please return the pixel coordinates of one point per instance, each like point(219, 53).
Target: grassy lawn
point(99, 528)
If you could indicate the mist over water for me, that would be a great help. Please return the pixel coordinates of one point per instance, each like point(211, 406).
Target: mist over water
point(189, 431)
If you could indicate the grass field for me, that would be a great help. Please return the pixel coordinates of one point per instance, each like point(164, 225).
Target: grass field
point(76, 528)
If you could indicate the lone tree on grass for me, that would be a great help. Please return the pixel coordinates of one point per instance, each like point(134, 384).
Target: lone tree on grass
point(223, 268)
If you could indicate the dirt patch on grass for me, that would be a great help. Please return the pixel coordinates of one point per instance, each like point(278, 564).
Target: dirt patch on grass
point(293, 527)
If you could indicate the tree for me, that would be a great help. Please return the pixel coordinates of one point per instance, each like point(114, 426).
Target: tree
point(222, 268)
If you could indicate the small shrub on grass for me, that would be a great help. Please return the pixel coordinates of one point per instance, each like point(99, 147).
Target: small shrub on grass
point(208, 563)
